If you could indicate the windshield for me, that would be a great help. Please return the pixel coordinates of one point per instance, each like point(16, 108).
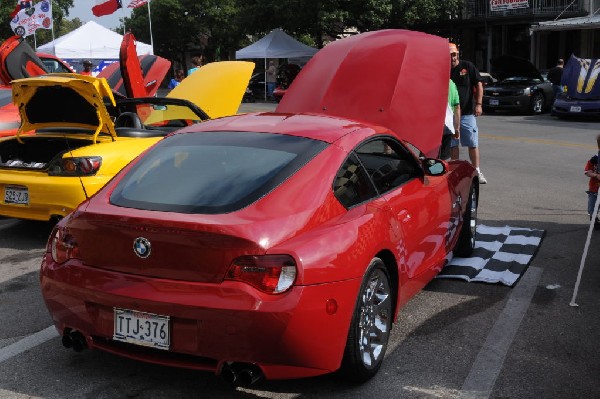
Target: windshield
point(211, 173)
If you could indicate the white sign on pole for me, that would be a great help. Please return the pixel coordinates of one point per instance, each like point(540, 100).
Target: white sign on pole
point(505, 5)
point(32, 17)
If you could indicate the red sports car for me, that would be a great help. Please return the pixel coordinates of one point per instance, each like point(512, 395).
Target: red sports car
point(143, 74)
point(18, 60)
point(276, 245)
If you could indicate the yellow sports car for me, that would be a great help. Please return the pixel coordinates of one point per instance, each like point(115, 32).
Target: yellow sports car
point(83, 136)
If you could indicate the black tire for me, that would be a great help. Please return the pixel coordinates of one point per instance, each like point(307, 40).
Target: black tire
point(538, 103)
point(489, 111)
point(468, 232)
point(370, 327)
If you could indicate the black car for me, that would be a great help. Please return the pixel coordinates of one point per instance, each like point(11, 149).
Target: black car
point(520, 87)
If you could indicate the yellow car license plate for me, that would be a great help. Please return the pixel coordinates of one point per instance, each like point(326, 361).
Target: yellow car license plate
point(16, 195)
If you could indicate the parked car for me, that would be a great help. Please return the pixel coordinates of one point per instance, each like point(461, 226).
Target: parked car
point(144, 73)
point(81, 136)
point(487, 79)
point(581, 97)
point(520, 87)
point(18, 60)
point(256, 88)
point(279, 244)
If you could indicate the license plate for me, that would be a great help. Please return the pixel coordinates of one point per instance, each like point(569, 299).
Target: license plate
point(494, 101)
point(16, 195)
point(140, 328)
point(575, 108)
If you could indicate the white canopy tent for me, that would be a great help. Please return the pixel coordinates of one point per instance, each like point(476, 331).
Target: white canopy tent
point(277, 44)
point(91, 41)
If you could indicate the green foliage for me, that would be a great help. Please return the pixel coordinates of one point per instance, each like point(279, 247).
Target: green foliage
point(217, 28)
point(207, 27)
point(406, 13)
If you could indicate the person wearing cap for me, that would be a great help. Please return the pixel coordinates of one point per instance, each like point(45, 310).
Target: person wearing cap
point(470, 91)
point(87, 68)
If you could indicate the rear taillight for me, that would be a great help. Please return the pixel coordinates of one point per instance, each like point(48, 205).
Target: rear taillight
point(272, 274)
point(63, 246)
point(76, 166)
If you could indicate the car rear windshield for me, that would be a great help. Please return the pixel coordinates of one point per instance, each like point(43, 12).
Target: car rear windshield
point(212, 173)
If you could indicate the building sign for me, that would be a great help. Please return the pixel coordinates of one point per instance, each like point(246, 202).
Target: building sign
point(505, 5)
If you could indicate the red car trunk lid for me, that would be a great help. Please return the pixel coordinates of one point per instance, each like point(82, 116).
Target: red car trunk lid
point(179, 251)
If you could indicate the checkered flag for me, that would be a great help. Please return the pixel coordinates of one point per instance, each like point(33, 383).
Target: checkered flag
point(501, 255)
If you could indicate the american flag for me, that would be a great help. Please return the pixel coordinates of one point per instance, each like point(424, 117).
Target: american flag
point(137, 3)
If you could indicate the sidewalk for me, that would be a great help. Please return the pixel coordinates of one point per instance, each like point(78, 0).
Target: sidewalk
point(257, 107)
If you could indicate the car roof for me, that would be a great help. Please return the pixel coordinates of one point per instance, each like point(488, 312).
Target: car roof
point(318, 127)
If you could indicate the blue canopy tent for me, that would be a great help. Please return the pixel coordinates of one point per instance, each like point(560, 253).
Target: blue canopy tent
point(277, 44)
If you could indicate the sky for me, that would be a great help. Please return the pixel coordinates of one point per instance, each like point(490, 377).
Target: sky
point(82, 9)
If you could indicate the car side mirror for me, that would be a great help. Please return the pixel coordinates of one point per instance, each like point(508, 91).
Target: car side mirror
point(434, 167)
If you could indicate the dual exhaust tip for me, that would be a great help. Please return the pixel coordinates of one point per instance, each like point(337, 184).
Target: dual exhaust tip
point(242, 374)
point(75, 340)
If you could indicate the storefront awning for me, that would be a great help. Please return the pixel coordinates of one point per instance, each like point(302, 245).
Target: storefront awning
point(587, 22)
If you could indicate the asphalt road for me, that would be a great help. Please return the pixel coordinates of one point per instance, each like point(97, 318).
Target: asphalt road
point(453, 340)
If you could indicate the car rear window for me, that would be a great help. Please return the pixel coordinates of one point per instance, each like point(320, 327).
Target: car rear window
point(211, 173)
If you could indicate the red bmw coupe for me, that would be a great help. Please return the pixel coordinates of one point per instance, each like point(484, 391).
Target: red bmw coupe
point(275, 245)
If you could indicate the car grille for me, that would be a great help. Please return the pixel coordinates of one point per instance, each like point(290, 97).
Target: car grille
point(504, 93)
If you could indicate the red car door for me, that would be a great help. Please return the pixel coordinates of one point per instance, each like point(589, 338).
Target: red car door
point(420, 206)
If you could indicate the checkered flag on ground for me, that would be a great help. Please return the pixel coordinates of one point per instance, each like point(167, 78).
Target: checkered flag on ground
point(501, 255)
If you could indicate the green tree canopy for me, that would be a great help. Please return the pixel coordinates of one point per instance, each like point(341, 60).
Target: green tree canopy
point(207, 27)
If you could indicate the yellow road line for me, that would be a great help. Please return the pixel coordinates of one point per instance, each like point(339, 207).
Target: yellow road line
point(540, 141)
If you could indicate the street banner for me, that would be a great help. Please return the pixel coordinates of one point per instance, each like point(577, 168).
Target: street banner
point(32, 17)
point(505, 5)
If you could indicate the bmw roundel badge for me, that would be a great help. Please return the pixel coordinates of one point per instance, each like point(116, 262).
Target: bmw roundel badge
point(142, 247)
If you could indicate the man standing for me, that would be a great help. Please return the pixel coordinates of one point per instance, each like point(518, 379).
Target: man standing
point(555, 75)
point(470, 91)
point(271, 79)
point(87, 68)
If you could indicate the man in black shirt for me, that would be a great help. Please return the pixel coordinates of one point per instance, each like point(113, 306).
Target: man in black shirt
point(554, 76)
point(470, 91)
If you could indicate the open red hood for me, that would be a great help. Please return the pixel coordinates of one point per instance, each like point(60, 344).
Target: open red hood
point(393, 78)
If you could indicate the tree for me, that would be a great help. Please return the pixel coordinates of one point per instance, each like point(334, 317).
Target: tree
point(216, 28)
point(408, 13)
point(206, 27)
point(330, 19)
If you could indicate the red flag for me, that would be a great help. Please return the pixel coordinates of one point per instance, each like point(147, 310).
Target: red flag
point(137, 3)
point(106, 8)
